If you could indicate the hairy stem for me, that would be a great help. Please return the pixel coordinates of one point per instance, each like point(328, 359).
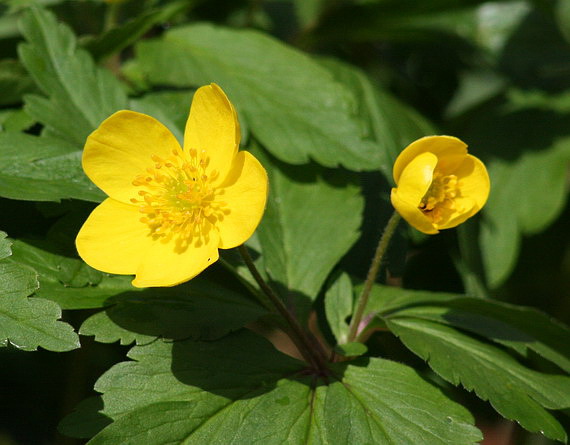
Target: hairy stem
point(389, 231)
point(308, 348)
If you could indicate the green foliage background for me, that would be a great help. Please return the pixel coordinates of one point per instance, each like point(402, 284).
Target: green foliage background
point(328, 93)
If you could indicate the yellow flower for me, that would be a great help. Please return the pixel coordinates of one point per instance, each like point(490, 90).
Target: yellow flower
point(438, 185)
point(170, 209)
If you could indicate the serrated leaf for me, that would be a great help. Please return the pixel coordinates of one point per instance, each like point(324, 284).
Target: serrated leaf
point(200, 309)
point(307, 208)
point(519, 328)
point(516, 392)
point(391, 124)
point(28, 323)
point(338, 306)
point(80, 95)
point(241, 390)
point(42, 169)
point(292, 104)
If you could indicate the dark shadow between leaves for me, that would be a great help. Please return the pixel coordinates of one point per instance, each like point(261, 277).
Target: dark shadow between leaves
point(199, 309)
point(242, 365)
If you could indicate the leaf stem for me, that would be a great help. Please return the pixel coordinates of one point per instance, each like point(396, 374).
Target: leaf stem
point(389, 231)
point(309, 349)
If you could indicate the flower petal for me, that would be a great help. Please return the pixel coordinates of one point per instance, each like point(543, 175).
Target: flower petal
point(164, 264)
point(245, 194)
point(412, 214)
point(467, 209)
point(474, 180)
point(441, 146)
point(113, 239)
point(416, 178)
point(213, 126)
point(121, 149)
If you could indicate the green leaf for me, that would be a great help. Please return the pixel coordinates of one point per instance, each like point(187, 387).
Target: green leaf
point(392, 124)
point(199, 309)
point(516, 392)
point(293, 105)
point(119, 38)
point(338, 306)
point(352, 349)
point(169, 107)
point(308, 208)
point(28, 323)
point(15, 120)
point(241, 390)
point(80, 95)
point(5, 244)
point(520, 328)
point(42, 169)
point(67, 281)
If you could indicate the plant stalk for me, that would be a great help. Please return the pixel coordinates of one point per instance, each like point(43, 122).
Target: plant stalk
point(383, 244)
point(306, 346)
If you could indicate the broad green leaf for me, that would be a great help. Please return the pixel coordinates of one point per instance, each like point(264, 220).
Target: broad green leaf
point(42, 169)
point(519, 328)
point(241, 390)
point(312, 219)
point(392, 124)
point(293, 105)
point(200, 309)
point(563, 18)
point(516, 392)
point(119, 38)
point(28, 323)
point(80, 95)
point(338, 306)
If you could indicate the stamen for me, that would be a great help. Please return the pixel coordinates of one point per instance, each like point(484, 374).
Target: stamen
point(178, 198)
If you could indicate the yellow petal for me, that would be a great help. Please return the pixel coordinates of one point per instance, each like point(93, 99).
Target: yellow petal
point(412, 214)
point(245, 194)
point(164, 264)
point(121, 149)
point(213, 126)
point(441, 146)
point(466, 208)
point(113, 239)
point(416, 178)
point(474, 180)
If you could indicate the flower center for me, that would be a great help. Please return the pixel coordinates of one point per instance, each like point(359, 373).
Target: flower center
point(177, 198)
point(439, 200)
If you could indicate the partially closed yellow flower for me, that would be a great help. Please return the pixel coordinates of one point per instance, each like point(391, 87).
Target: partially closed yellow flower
point(170, 208)
point(438, 185)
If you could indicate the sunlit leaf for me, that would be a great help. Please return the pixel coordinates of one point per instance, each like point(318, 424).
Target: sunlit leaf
point(79, 94)
point(241, 390)
point(292, 104)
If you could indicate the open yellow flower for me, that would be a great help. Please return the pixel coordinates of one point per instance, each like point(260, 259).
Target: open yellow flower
point(438, 185)
point(170, 209)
